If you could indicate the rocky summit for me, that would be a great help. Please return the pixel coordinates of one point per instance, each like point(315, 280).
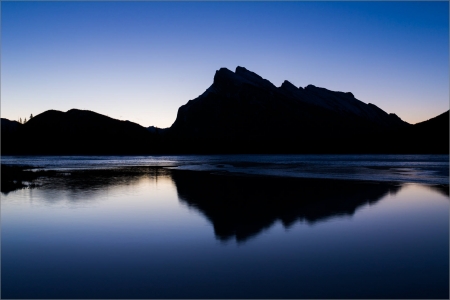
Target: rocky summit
point(242, 107)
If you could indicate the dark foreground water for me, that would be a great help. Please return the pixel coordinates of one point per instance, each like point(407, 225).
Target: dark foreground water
point(153, 232)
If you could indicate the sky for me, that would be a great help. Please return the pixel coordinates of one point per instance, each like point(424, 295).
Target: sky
point(140, 61)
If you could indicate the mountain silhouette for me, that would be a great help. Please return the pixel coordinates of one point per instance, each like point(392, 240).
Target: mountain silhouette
point(239, 113)
point(244, 96)
point(242, 112)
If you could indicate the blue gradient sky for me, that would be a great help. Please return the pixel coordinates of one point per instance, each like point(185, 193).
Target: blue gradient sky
point(140, 61)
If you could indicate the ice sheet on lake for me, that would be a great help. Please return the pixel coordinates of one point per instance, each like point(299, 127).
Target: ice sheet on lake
point(428, 169)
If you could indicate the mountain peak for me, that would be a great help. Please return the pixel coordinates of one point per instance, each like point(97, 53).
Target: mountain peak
point(247, 73)
point(227, 78)
point(350, 94)
point(287, 85)
point(223, 72)
point(253, 78)
point(241, 76)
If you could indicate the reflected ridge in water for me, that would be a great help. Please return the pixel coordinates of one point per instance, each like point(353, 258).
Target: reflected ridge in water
point(238, 206)
point(243, 206)
point(122, 233)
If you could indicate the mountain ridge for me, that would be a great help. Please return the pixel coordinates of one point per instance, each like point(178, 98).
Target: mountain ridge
point(240, 112)
point(242, 108)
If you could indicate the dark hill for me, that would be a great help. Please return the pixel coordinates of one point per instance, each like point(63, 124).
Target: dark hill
point(9, 128)
point(434, 124)
point(78, 132)
point(431, 136)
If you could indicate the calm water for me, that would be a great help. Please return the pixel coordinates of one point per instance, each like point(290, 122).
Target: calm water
point(171, 233)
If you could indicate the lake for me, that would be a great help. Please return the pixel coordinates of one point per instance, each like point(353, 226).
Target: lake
point(235, 226)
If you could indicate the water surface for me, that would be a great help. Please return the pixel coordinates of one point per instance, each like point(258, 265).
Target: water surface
point(429, 169)
point(170, 233)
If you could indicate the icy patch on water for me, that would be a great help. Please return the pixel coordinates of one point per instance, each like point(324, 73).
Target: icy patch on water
point(428, 169)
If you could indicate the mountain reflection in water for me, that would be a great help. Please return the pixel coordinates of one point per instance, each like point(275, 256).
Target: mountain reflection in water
point(151, 232)
point(238, 206)
point(243, 206)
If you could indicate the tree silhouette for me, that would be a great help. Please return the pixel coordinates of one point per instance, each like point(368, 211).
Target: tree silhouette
point(20, 120)
point(25, 120)
point(31, 116)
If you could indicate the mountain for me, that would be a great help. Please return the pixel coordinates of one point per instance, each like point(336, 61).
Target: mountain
point(9, 127)
point(78, 132)
point(431, 136)
point(434, 124)
point(242, 112)
point(9, 133)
